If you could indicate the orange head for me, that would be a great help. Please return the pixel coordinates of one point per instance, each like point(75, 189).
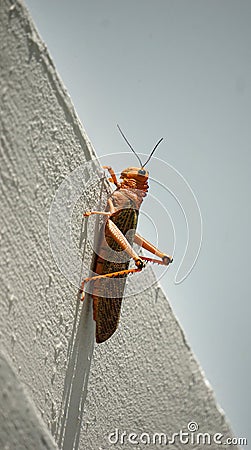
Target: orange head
point(136, 173)
point(135, 178)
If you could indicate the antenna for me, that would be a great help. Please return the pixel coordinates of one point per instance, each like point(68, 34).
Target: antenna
point(152, 152)
point(130, 145)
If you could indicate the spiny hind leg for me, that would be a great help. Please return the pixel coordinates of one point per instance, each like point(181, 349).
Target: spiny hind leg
point(121, 273)
point(121, 240)
point(142, 242)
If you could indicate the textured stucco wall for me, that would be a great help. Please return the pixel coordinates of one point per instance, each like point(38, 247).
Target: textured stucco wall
point(144, 379)
point(20, 425)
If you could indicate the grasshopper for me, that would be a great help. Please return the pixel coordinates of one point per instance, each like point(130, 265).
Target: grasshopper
point(116, 237)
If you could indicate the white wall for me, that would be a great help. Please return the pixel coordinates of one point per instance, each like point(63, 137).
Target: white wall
point(145, 378)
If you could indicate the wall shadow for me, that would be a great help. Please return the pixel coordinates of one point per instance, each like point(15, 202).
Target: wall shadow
point(79, 358)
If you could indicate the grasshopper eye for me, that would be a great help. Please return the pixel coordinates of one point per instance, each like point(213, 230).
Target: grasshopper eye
point(141, 172)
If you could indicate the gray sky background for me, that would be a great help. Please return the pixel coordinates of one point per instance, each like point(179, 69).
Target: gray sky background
point(182, 70)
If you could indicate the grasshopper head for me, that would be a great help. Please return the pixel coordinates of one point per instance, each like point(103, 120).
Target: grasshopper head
point(140, 175)
point(135, 178)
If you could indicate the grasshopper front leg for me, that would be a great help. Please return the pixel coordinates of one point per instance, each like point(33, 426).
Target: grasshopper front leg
point(113, 178)
point(142, 242)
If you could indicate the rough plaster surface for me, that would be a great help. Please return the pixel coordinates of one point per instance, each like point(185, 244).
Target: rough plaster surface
point(145, 378)
point(21, 427)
